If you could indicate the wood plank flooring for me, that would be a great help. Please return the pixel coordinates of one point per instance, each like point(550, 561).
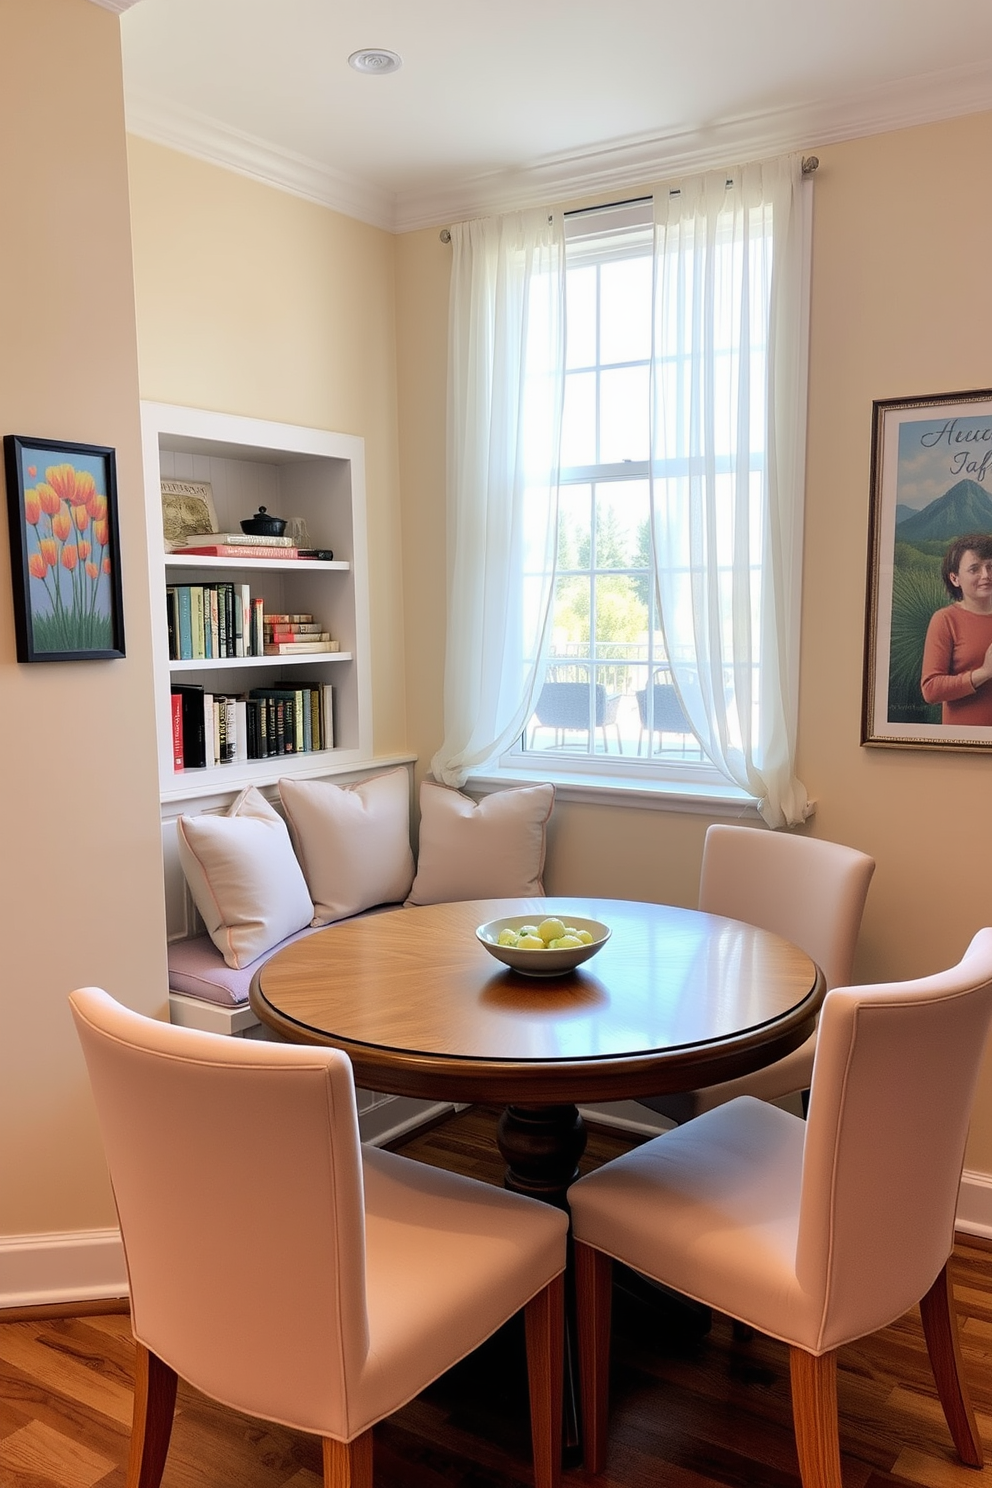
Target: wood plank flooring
point(687, 1412)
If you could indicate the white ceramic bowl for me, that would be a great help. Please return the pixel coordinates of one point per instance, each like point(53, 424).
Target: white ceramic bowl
point(542, 963)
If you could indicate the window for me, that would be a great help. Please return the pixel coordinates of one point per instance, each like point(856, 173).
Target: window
point(608, 699)
point(625, 479)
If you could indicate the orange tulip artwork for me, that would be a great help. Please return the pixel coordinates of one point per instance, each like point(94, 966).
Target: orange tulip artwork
point(62, 505)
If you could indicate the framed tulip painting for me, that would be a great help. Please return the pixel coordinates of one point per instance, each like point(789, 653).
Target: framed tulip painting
point(928, 643)
point(64, 550)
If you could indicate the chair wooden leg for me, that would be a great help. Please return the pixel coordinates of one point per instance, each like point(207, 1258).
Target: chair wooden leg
point(154, 1407)
point(348, 1464)
point(594, 1297)
point(814, 1411)
point(544, 1322)
point(940, 1329)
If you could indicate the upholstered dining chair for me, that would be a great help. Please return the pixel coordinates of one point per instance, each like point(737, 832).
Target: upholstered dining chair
point(807, 890)
point(816, 1233)
point(284, 1270)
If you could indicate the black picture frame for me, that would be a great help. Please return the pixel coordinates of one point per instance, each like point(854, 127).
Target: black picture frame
point(65, 558)
point(931, 485)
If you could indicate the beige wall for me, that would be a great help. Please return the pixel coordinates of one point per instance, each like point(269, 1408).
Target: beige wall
point(901, 304)
point(902, 296)
point(82, 882)
point(254, 302)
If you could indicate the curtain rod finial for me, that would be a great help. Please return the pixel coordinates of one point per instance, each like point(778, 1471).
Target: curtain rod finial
point(444, 235)
point(810, 163)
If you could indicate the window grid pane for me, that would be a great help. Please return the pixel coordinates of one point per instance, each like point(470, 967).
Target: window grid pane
point(607, 686)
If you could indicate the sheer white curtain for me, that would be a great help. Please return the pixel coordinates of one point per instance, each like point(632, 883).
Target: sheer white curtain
point(505, 389)
point(728, 437)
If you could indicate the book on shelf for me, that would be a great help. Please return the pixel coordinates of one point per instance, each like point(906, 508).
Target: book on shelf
point(215, 729)
point(233, 539)
point(288, 619)
point(300, 648)
point(199, 632)
point(293, 627)
point(209, 731)
point(185, 608)
point(242, 620)
point(326, 715)
point(177, 731)
point(257, 627)
point(236, 550)
point(172, 618)
point(241, 727)
point(276, 719)
point(193, 732)
point(295, 637)
point(287, 720)
point(226, 622)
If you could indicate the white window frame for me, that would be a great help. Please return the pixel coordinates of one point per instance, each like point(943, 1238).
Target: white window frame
point(602, 236)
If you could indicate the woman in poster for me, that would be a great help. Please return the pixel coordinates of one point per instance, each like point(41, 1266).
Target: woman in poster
point(957, 654)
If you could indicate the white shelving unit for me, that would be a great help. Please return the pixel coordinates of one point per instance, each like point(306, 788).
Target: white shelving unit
point(293, 472)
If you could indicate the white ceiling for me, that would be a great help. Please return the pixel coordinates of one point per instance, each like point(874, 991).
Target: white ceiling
point(521, 101)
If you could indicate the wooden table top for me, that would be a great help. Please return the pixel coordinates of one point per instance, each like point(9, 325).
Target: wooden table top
point(675, 999)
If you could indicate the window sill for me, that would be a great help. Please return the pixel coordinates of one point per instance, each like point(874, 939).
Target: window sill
point(600, 790)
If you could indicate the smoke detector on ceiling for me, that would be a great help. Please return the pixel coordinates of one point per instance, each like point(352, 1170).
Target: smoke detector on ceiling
point(375, 60)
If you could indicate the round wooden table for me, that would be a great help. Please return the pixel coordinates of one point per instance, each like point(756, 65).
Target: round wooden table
point(675, 1000)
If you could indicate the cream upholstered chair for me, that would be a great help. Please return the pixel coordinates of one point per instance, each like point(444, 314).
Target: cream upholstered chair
point(815, 1232)
point(808, 891)
point(286, 1271)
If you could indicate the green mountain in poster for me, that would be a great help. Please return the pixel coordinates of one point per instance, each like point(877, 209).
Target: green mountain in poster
point(966, 507)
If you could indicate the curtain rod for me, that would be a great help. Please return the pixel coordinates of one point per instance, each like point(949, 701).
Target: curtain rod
point(810, 164)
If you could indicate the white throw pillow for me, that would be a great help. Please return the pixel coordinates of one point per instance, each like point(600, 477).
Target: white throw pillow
point(244, 877)
point(490, 850)
point(353, 841)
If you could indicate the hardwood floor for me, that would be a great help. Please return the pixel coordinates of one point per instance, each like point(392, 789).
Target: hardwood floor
point(687, 1412)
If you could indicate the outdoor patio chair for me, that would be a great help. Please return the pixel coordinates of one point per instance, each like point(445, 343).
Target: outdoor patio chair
point(564, 707)
point(667, 715)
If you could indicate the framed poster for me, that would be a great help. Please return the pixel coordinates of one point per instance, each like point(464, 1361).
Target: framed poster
point(64, 550)
point(928, 641)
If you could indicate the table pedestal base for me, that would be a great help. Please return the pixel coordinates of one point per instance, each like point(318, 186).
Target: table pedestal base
point(541, 1146)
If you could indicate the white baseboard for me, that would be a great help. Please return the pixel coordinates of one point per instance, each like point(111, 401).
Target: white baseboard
point(68, 1266)
point(88, 1265)
point(397, 1115)
point(628, 1116)
point(974, 1215)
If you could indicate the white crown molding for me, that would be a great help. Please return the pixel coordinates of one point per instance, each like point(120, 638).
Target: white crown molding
point(196, 134)
point(614, 167)
point(607, 168)
point(117, 6)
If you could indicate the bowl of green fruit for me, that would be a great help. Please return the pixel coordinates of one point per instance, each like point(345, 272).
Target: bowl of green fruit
point(546, 947)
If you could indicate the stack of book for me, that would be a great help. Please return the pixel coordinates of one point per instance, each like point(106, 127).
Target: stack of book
point(213, 622)
point(235, 545)
point(296, 635)
point(217, 729)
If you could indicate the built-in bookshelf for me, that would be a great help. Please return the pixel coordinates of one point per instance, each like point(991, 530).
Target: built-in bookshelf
point(293, 472)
